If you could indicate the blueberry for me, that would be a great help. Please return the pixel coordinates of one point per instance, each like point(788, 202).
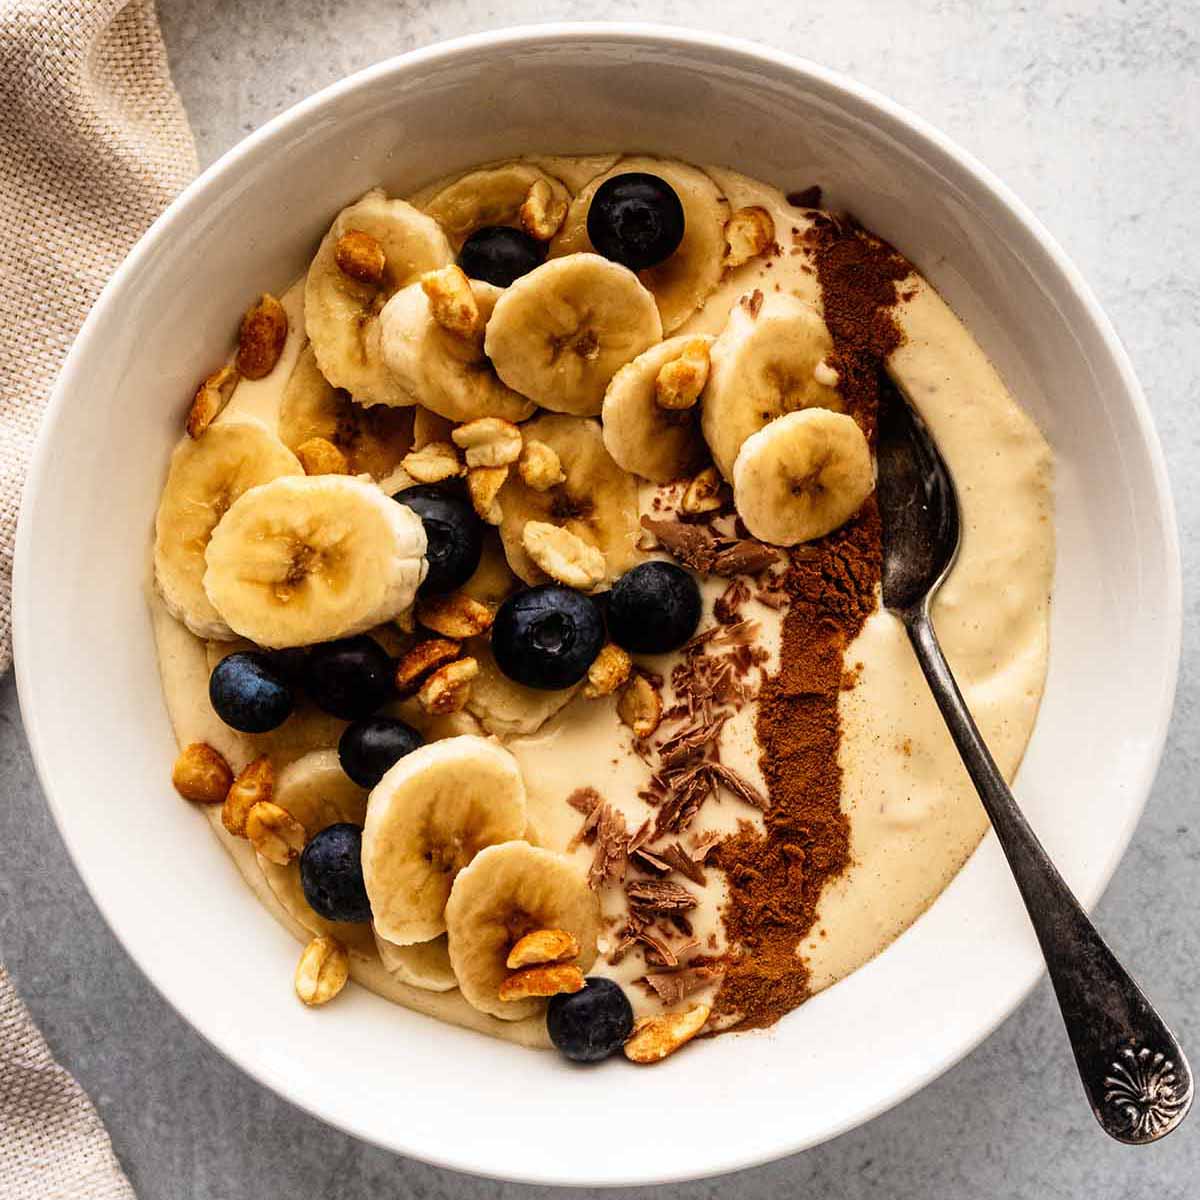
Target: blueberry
point(500, 255)
point(547, 636)
point(350, 678)
point(331, 874)
point(635, 219)
point(653, 608)
point(248, 693)
point(371, 745)
point(454, 533)
point(592, 1024)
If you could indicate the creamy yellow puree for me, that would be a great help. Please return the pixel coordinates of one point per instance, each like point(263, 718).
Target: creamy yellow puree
point(914, 817)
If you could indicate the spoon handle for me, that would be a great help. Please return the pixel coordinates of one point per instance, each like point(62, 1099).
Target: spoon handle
point(1134, 1072)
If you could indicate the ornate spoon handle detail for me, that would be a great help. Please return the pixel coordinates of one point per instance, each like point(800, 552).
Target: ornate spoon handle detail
point(1134, 1072)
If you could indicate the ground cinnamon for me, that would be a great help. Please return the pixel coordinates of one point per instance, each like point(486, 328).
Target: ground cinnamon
point(776, 877)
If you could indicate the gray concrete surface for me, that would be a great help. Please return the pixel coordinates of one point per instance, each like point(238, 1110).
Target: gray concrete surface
point(1091, 111)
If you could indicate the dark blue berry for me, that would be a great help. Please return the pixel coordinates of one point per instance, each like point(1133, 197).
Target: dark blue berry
point(653, 608)
point(454, 533)
point(635, 219)
point(499, 255)
point(370, 747)
point(350, 678)
point(592, 1024)
point(248, 693)
point(547, 636)
point(331, 874)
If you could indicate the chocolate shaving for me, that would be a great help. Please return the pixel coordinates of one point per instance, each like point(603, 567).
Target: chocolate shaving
point(673, 987)
point(653, 862)
point(746, 557)
point(733, 782)
point(678, 859)
point(584, 799)
point(693, 545)
point(728, 605)
point(609, 859)
point(703, 845)
point(659, 896)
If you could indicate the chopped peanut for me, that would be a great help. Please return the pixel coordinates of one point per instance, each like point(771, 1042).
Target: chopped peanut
point(275, 833)
point(433, 463)
point(540, 467)
point(679, 382)
point(564, 555)
point(448, 689)
point(703, 494)
point(489, 442)
point(261, 337)
point(609, 671)
point(483, 486)
point(543, 946)
point(422, 660)
point(656, 1037)
point(640, 705)
point(451, 301)
point(748, 232)
point(254, 782)
point(318, 456)
point(202, 775)
point(211, 397)
point(360, 256)
point(543, 212)
point(454, 615)
point(322, 971)
point(550, 980)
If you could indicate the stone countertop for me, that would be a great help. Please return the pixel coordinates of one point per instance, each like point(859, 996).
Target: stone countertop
point(1091, 112)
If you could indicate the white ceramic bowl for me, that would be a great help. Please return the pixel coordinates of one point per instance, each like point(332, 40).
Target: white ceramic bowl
point(90, 690)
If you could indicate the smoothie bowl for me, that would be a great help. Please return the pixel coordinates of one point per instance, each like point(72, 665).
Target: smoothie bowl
point(506, 599)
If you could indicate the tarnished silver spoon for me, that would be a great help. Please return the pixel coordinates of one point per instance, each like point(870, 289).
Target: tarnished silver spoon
point(1134, 1072)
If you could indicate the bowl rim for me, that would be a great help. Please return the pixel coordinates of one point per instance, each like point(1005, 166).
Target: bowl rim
point(883, 111)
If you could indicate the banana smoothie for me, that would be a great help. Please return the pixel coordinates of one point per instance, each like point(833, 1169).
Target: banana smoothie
point(516, 600)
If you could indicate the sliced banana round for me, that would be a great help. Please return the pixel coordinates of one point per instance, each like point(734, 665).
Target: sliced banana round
point(659, 444)
point(685, 281)
point(560, 333)
point(373, 440)
point(507, 892)
point(206, 476)
point(764, 364)
point(596, 501)
point(341, 312)
point(802, 476)
point(312, 558)
point(423, 964)
point(491, 196)
point(449, 373)
point(427, 818)
point(317, 793)
point(507, 708)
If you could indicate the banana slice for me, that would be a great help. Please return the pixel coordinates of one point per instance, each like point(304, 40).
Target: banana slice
point(423, 964)
point(597, 500)
point(310, 559)
point(374, 440)
point(659, 444)
point(427, 818)
point(447, 372)
point(206, 476)
point(685, 281)
point(507, 708)
point(764, 364)
point(492, 196)
point(341, 312)
point(433, 727)
point(505, 893)
point(560, 333)
point(493, 581)
point(318, 793)
point(802, 476)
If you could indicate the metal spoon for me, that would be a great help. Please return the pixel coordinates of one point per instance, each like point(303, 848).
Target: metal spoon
point(1134, 1072)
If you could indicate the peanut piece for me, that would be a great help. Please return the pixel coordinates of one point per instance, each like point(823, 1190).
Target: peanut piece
point(275, 833)
point(543, 212)
point(703, 493)
point(748, 232)
point(655, 1037)
point(254, 783)
point(448, 689)
point(201, 774)
point(322, 971)
point(489, 442)
point(542, 946)
point(826, 374)
point(540, 467)
point(609, 671)
point(211, 397)
point(550, 980)
point(261, 337)
point(454, 615)
point(483, 486)
point(318, 456)
point(433, 463)
point(422, 660)
point(564, 555)
point(640, 706)
point(451, 301)
point(360, 256)
point(679, 383)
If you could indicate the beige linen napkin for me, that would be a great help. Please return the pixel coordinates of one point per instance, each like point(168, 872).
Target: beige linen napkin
point(93, 143)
